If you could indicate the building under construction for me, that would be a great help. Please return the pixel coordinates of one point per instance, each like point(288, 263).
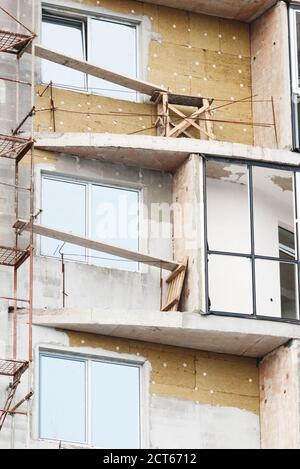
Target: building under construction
point(150, 238)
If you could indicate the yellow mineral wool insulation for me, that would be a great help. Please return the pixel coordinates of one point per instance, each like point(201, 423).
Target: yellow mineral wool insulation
point(203, 377)
point(80, 112)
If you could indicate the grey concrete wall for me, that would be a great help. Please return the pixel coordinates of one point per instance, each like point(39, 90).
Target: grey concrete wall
point(188, 229)
point(131, 290)
point(280, 398)
point(271, 76)
point(176, 423)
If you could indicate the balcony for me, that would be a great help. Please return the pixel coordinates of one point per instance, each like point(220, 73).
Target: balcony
point(236, 336)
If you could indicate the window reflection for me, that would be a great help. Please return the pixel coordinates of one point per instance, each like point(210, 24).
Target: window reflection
point(114, 47)
point(104, 213)
point(88, 401)
point(104, 42)
point(273, 206)
point(66, 36)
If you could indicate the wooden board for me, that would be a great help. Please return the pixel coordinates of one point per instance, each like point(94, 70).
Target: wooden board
point(175, 281)
point(95, 71)
point(179, 99)
point(97, 245)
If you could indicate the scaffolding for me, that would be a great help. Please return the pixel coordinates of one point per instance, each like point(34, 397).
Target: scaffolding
point(15, 148)
point(166, 124)
point(13, 42)
point(14, 369)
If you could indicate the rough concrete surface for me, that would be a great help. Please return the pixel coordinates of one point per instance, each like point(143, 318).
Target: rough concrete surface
point(239, 336)
point(280, 398)
point(271, 76)
point(243, 10)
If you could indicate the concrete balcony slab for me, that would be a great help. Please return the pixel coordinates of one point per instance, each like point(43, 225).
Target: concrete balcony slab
point(238, 336)
point(242, 10)
point(159, 153)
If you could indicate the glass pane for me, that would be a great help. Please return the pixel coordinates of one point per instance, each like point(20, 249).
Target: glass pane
point(286, 243)
point(276, 289)
point(114, 220)
point(62, 399)
point(228, 220)
point(298, 211)
point(65, 36)
point(114, 47)
point(63, 209)
point(298, 43)
point(230, 284)
point(296, 112)
point(273, 194)
point(115, 405)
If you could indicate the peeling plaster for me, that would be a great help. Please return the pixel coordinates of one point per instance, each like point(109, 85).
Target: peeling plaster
point(286, 184)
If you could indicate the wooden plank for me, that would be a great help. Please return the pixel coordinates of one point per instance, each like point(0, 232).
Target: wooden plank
point(208, 122)
point(171, 304)
point(179, 99)
point(175, 273)
point(95, 70)
point(175, 281)
point(192, 123)
point(99, 246)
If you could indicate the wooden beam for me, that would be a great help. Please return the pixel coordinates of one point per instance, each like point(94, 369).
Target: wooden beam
point(192, 123)
point(178, 99)
point(187, 122)
point(96, 71)
point(97, 246)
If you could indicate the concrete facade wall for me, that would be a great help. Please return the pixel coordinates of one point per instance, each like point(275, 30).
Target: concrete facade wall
point(188, 202)
point(194, 396)
point(191, 397)
point(271, 76)
point(134, 289)
point(280, 398)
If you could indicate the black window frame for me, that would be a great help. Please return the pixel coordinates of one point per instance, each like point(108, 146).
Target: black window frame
point(253, 257)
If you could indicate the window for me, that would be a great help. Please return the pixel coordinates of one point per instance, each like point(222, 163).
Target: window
point(295, 69)
point(108, 43)
point(113, 46)
point(252, 257)
point(89, 401)
point(288, 275)
point(67, 36)
point(104, 213)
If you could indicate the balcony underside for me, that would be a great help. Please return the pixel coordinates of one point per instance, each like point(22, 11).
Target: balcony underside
point(238, 336)
point(242, 10)
point(159, 153)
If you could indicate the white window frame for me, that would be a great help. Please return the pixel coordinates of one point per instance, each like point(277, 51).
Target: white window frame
point(65, 18)
point(88, 212)
point(102, 356)
point(61, 12)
